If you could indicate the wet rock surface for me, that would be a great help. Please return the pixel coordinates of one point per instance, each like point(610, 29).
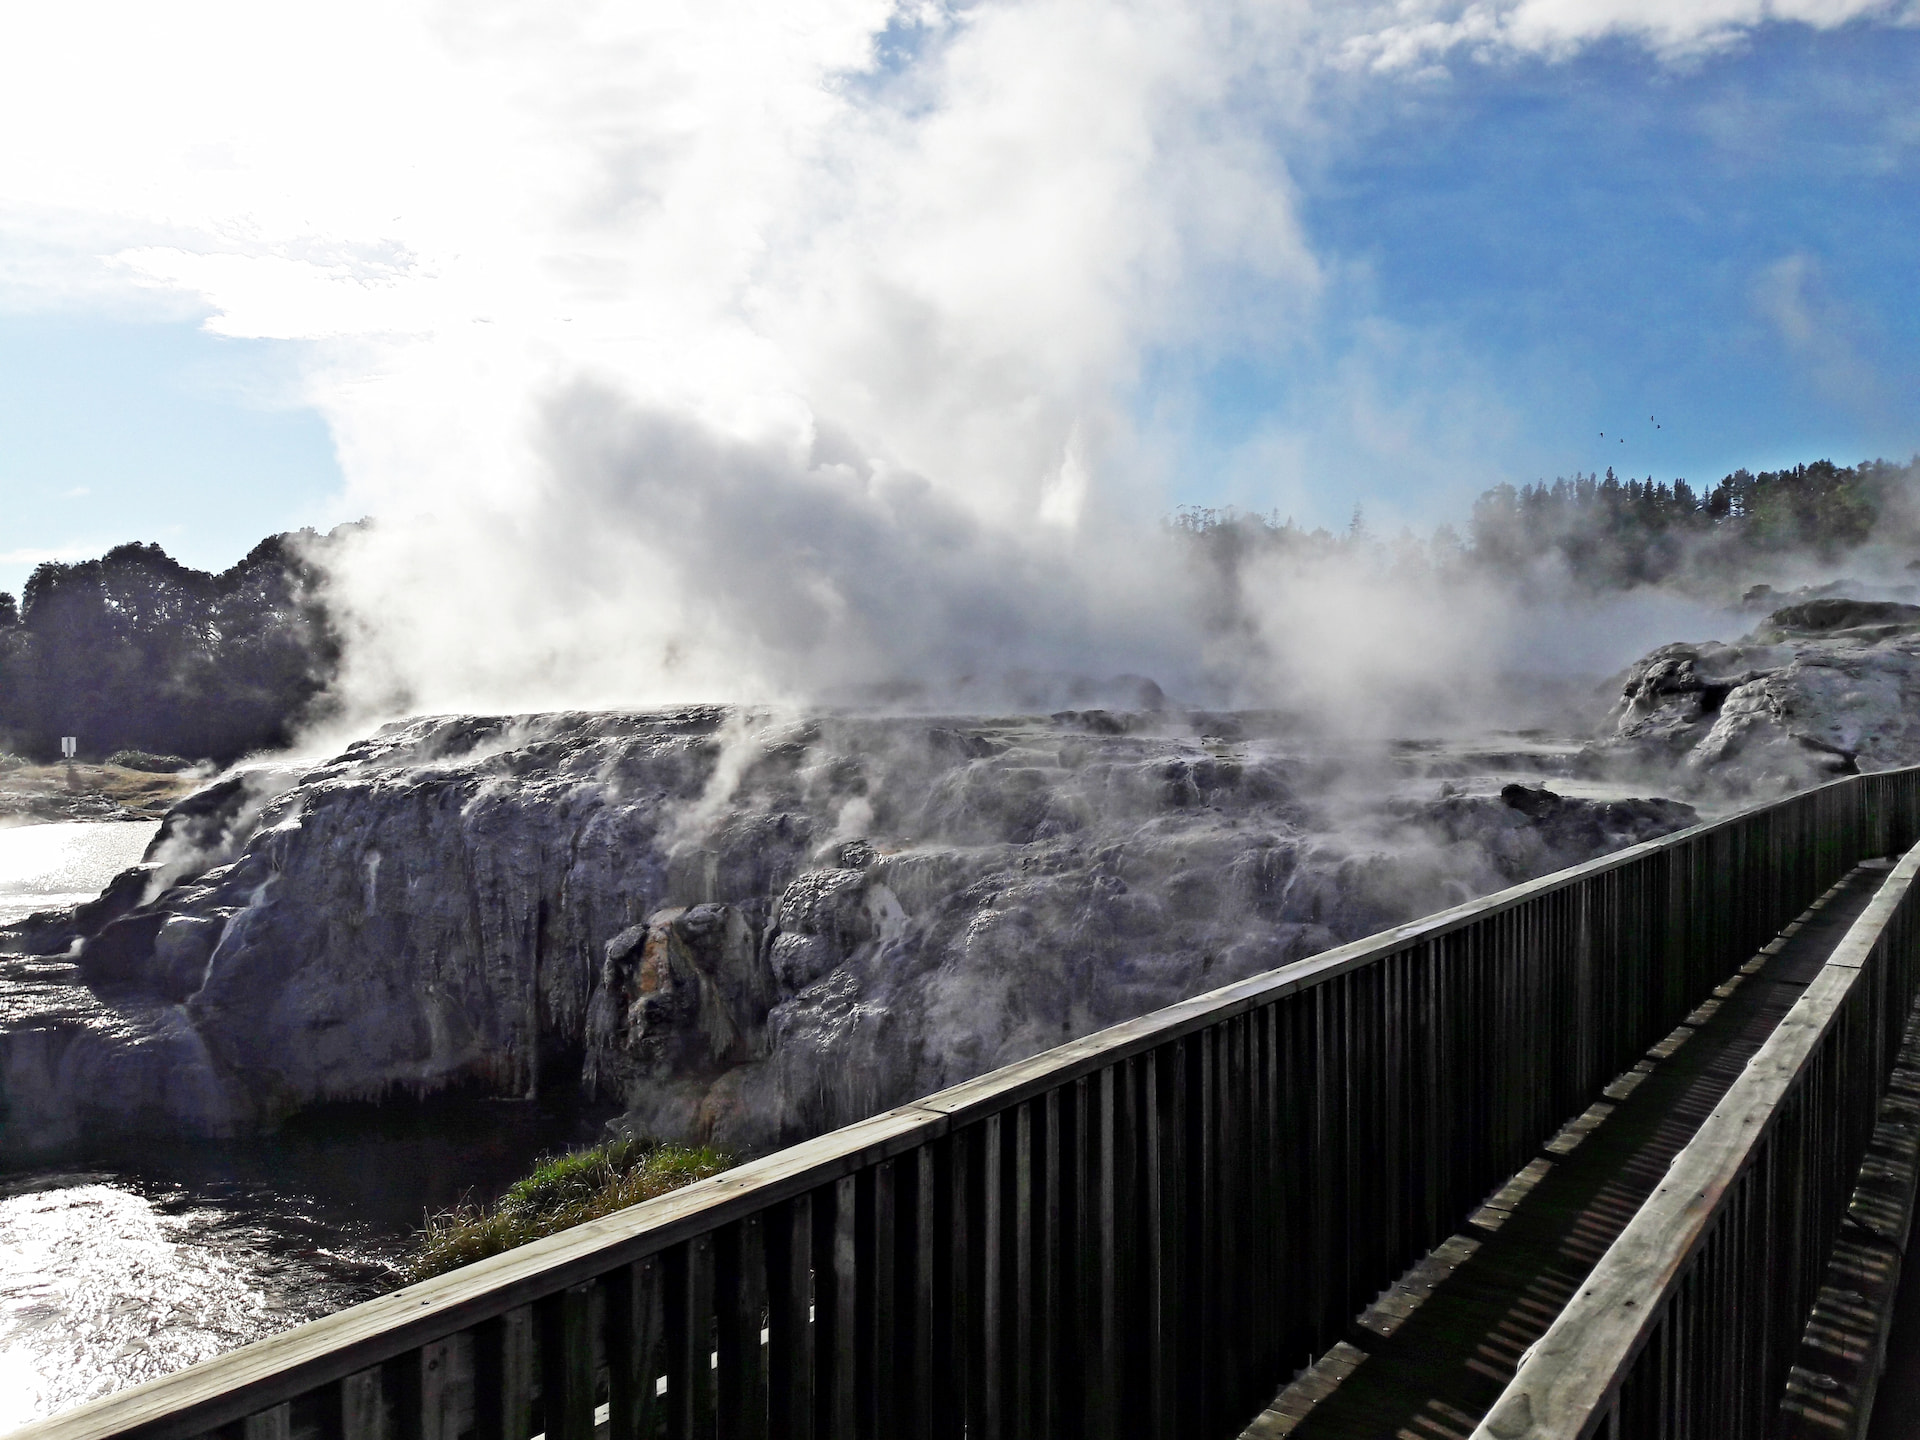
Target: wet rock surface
point(1820, 689)
point(740, 927)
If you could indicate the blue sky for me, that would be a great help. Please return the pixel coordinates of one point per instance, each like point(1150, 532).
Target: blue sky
point(116, 430)
point(1515, 254)
point(1731, 247)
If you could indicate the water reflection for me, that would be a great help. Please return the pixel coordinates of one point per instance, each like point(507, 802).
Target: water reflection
point(105, 1282)
point(119, 1267)
point(45, 867)
point(111, 1274)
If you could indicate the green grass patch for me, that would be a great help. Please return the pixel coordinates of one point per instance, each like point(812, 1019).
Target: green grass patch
point(148, 761)
point(563, 1191)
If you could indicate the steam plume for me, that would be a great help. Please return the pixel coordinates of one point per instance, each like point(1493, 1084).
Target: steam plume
point(755, 348)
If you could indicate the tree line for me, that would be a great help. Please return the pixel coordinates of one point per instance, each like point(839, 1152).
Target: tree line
point(135, 651)
point(1613, 535)
point(1602, 533)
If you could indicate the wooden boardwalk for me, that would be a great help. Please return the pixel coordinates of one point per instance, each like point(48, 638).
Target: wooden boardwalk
point(1429, 1358)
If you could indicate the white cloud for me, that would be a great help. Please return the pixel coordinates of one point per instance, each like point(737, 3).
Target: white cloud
point(706, 203)
point(1417, 32)
point(683, 347)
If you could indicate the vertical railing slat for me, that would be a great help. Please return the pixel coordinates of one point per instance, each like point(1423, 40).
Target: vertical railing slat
point(364, 1412)
point(987, 1347)
point(740, 1303)
point(690, 1357)
point(919, 1294)
point(566, 1364)
point(1018, 1198)
point(836, 1279)
point(879, 1377)
point(636, 1337)
point(954, 1358)
point(791, 1331)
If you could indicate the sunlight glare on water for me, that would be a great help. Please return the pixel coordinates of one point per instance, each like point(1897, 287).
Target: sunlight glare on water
point(45, 867)
point(102, 1287)
point(173, 1252)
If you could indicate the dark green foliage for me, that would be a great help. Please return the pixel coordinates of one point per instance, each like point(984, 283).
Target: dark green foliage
point(147, 761)
point(9, 611)
point(1612, 534)
point(1604, 533)
point(135, 651)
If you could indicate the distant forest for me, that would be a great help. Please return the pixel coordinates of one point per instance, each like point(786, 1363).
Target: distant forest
point(1606, 534)
point(135, 651)
point(1614, 535)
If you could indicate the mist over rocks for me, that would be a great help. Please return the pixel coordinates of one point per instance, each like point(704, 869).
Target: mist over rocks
point(742, 926)
point(1827, 687)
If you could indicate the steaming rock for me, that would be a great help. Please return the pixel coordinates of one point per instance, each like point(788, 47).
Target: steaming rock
point(1824, 688)
point(747, 927)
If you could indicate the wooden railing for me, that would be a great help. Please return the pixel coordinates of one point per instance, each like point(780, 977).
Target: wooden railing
point(1690, 1322)
point(1140, 1233)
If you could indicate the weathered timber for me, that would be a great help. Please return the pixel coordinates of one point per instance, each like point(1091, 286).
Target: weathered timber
point(1455, 1354)
point(1690, 1323)
point(1831, 1390)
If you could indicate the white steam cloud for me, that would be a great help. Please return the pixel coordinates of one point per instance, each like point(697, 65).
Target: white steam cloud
point(753, 349)
point(1421, 31)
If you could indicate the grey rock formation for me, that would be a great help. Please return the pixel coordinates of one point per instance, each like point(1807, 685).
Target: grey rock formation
point(744, 927)
point(76, 1063)
point(1825, 688)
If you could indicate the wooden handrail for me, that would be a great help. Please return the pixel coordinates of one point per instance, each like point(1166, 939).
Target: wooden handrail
point(1571, 1382)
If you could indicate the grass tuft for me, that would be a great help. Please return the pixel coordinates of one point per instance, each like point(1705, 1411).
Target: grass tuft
point(563, 1191)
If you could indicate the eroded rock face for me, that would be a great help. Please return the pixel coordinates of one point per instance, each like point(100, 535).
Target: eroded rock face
point(1826, 688)
point(683, 996)
point(76, 1063)
point(745, 928)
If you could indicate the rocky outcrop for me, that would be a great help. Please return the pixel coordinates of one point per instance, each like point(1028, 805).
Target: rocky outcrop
point(78, 1063)
point(1528, 830)
point(1829, 687)
point(743, 927)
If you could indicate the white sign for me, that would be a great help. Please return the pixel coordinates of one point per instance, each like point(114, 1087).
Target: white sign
point(69, 745)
